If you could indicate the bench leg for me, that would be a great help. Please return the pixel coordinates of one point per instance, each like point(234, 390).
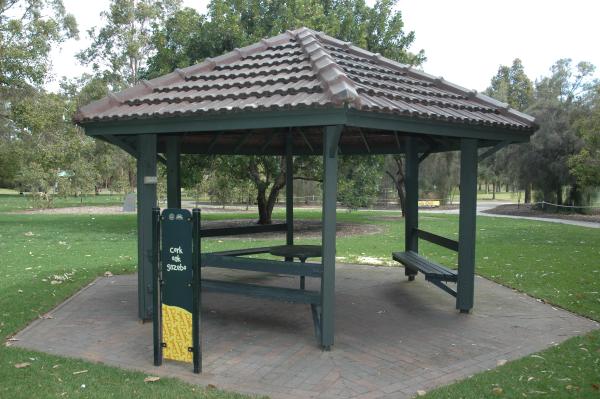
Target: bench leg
point(411, 277)
point(302, 282)
point(410, 273)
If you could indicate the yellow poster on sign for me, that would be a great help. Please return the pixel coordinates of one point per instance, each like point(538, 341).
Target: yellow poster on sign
point(177, 333)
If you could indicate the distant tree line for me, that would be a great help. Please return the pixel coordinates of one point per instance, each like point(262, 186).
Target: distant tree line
point(42, 152)
point(561, 164)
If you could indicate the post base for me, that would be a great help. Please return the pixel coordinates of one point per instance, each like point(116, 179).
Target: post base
point(465, 311)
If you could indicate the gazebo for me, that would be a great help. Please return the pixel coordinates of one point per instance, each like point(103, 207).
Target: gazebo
point(305, 93)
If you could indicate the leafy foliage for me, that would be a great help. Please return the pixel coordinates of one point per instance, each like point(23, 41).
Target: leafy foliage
point(120, 48)
point(359, 180)
point(28, 30)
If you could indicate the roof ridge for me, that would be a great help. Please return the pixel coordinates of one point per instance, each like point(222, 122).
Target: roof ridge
point(338, 86)
point(440, 82)
point(145, 87)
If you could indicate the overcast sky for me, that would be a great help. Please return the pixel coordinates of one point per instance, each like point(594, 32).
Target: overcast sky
point(464, 40)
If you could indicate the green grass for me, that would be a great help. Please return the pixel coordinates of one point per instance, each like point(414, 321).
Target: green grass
point(502, 196)
point(555, 262)
point(52, 377)
point(12, 201)
point(569, 370)
point(75, 249)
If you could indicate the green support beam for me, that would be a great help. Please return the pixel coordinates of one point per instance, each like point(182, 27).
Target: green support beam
point(289, 188)
point(411, 206)
point(466, 230)
point(330, 170)
point(173, 172)
point(146, 198)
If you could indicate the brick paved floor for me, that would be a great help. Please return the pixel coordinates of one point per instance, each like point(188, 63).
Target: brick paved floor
point(393, 337)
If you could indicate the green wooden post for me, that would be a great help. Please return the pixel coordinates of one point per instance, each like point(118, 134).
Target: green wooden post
point(146, 198)
point(330, 169)
point(173, 172)
point(156, 309)
point(411, 206)
point(466, 229)
point(289, 188)
point(196, 292)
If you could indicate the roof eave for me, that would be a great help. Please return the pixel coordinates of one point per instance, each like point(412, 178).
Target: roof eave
point(304, 117)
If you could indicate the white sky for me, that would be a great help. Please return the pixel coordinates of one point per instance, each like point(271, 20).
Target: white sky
point(464, 40)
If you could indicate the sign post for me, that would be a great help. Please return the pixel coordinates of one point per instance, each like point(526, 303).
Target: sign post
point(177, 324)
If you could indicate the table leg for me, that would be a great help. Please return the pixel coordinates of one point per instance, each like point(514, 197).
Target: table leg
point(302, 278)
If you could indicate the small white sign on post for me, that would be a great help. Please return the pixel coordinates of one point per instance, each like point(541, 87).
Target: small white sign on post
point(150, 180)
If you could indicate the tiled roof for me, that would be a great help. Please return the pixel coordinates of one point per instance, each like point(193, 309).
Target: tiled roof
point(303, 69)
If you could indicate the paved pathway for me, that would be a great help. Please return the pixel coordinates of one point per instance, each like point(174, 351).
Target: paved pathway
point(393, 337)
point(487, 205)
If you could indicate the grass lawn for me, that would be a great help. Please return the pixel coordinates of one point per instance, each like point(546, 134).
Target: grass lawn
point(558, 263)
point(502, 196)
point(12, 201)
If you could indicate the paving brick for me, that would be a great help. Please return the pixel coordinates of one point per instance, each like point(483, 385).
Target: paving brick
point(268, 348)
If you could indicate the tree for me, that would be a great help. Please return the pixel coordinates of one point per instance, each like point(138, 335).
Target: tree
point(115, 169)
point(28, 31)
point(558, 103)
point(438, 175)
point(54, 153)
point(359, 181)
point(585, 165)
point(188, 37)
point(394, 168)
point(512, 86)
point(121, 47)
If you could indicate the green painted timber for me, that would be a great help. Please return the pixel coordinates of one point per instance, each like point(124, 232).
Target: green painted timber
point(125, 146)
point(262, 265)
point(243, 251)
point(233, 231)
point(173, 172)
point(431, 270)
point(493, 150)
point(438, 240)
point(302, 118)
point(331, 137)
point(156, 319)
point(146, 197)
point(436, 274)
point(411, 206)
point(262, 291)
point(197, 294)
point(289, 188)
point(466, 228)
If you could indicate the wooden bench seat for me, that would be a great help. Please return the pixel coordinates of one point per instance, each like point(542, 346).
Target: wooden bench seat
point(431, 270)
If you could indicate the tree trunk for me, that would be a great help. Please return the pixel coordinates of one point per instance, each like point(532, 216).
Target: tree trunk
point(494, 190)
point(264, 216)
point(398, 179)
point(527, 193)
point(559, 196)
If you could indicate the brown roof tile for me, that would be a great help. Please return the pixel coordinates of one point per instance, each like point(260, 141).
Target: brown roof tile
point(300, 69)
